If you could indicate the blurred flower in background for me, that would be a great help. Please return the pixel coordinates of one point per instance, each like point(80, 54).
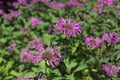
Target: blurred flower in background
point(110, 69)
point(35, 22)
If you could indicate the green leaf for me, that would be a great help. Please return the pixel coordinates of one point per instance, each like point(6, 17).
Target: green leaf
point(47, 39)
point(80, 67)
point(30, 75)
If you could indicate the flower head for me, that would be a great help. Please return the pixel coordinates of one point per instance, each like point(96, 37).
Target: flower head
point(111, 38)
point(52, 55)
point(56, 5)
point(110, 69)
point(29, 3)
point(1, 11)
point(98, 8)
point(68, 27)
point(35, 21)
point(36, 43)
point(11, 47)
point(12, 14)
point(74, 3)
point(44, 1)
point(106, 2)
point(93, 42)
point(23, 79)
point(28, 56)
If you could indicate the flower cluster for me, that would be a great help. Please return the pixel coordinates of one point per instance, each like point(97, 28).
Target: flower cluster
point(106, 2)
point(50, 54)
point(56, 5)
point(26, 2)
point(74, 3)
point(29, 56)
point(98, 8)
point(111, 38)
point(12, 14)
point(110, 69)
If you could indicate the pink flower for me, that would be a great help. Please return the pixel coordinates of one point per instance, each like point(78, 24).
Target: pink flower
point(111, 38)
point(11, 47)
point(15, 4)
point(36, 43)
point(29, 56)
point(23, 79)
point(12, 14)
point(106, 2)
point(1, 11)
point(110, 69)
point(98, 8)
point(68, 27)
point(24, 31)
point(35, 21)
point(52, 55)
point(44, 1)
point(93, 42)
point(29, 3)
point(74, 3)
point(56, 5)
point(40, 79)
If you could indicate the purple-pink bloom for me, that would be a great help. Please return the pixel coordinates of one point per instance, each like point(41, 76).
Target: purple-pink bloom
point(24, 31)
point(56, 5)
point(12, 14)
point(106, 2)
point(68, 27)
point(74, 3)
point(29, 56)
point(1, 11)
point(93, 42)
point(35, 21)
point(11, 47)
point(36, 43)
point(15, 4)
point(29, 3)
point(23, 79)
point(98, 8)
point(110, 69)
point(111, 38)
point(40, 79)
point(44, 1)
point(51, 54)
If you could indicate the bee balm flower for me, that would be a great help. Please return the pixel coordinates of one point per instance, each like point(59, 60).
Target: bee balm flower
point(93, 42)
point(68, 27)
point(35, 21)
point(51, 55)
point(110, 69)
point(111, 38)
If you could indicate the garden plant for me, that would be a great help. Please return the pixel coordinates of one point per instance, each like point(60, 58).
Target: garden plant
point(59, 40)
